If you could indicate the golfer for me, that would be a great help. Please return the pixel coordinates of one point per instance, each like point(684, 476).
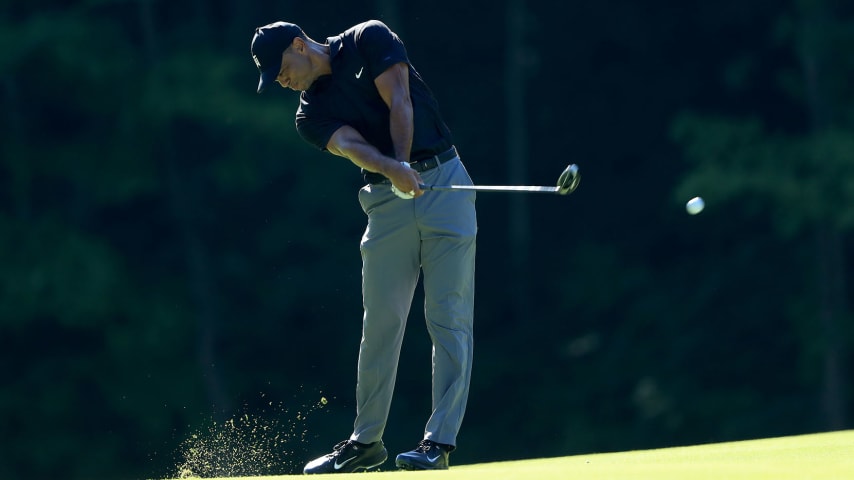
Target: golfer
point(362, 99)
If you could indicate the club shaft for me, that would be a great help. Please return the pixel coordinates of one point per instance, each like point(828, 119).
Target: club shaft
point(492, 188)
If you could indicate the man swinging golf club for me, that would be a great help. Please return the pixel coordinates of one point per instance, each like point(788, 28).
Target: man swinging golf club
point(363, 100)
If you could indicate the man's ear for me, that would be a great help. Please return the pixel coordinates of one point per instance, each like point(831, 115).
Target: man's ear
point(298, 45)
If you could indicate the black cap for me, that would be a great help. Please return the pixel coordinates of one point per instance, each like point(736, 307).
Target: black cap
point(267, 46)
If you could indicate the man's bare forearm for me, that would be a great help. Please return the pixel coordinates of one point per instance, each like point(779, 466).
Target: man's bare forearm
point(365, 155)
point(401, 127)
point(349, 143)
point(393, 87)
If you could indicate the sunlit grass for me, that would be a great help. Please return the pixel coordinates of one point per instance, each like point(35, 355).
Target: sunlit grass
point(818, 456)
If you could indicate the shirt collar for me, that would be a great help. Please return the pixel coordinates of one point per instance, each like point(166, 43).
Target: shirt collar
point(335, 46)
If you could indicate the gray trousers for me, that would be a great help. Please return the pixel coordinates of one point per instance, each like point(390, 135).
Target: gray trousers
point(434, 234)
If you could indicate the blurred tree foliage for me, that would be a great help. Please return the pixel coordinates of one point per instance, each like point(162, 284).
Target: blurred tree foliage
point(802, 176)
point(171, 252)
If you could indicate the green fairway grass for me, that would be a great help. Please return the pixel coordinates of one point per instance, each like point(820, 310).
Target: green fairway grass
point(817, 456)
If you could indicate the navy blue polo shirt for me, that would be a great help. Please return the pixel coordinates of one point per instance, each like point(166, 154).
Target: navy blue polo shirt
point(349, 97)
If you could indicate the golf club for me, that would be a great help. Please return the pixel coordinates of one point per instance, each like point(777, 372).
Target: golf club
point(566, 183)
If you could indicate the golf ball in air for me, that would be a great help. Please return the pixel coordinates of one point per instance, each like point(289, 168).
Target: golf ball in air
point(695, 205)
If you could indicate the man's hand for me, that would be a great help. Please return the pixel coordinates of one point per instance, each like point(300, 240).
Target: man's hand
point(349, 143)
point(405, 179)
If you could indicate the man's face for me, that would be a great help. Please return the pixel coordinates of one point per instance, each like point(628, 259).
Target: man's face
point(296, 72)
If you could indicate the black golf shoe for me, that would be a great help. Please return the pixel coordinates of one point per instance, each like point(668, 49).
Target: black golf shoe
point(347, 457)
point(429, 455)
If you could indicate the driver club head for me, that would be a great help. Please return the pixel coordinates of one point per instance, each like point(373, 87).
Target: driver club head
point(568, 180)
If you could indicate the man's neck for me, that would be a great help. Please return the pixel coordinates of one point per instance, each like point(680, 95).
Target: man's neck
point(320, 58)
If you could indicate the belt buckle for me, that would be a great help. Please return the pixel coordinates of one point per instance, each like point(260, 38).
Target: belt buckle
point(430, 163)
point(422, 165)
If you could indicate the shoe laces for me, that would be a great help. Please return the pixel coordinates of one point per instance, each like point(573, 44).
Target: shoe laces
point(426, 445)
point(339, 448)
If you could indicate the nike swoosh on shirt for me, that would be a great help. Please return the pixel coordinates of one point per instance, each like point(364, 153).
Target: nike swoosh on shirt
point(339, 466)
point(359, 75)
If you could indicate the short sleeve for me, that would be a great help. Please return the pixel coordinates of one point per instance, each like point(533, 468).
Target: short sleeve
point(313, 125)
point(380, 47)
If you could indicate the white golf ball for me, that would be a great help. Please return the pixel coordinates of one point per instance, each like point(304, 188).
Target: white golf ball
point(695, 205)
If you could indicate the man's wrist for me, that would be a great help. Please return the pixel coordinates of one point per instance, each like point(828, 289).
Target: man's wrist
point(388, 165)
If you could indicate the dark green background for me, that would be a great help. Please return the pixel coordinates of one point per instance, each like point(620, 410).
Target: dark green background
point(172, 254)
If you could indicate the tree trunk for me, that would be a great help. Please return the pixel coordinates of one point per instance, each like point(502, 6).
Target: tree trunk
point(815, 50)
point(182, 194)
point(20, 168)
point(832, 308)
point(516, 126)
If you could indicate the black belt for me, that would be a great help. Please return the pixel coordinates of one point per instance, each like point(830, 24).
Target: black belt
point(419, 166)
